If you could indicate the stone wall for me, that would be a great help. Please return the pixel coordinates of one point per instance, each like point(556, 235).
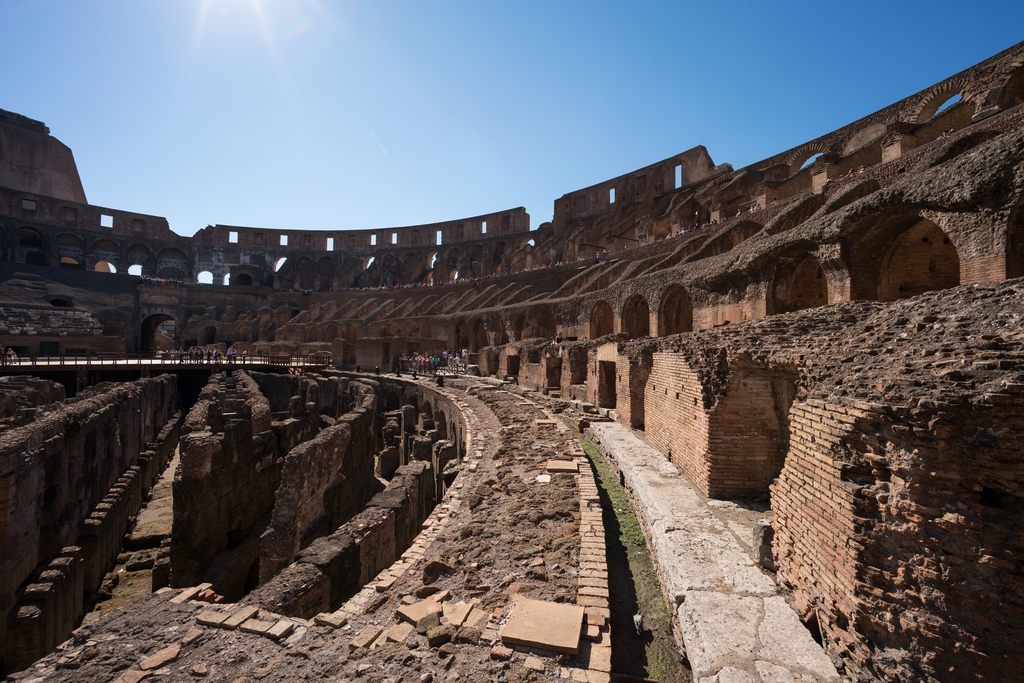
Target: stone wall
point(69, 481)
point(887, 438)
point(324, 482)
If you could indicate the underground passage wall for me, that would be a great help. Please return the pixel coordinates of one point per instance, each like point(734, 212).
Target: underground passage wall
point(70, 478)
point(275, 469)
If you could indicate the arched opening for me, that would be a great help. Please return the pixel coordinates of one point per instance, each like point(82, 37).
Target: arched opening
point(312, 334)
point(799, 283)
point(157, 333)
point(499, 333)
point(71, 247)
point(104, 267)
point(325, 271)
point(922, 259)
point(306, 276)
point(676, 313)
point(227, 279)
point(601, 320)
point(636, 317)
point(242, 334)
point(518, 327)
point(243, 279)
point(34, 244)
point(479, 335)
point(61, 303)
point(280, 263)
point(135, 270)
point(544, 325)
point(949, 103)
point(462, 336)
point(138, 254)
point(205, 278)
point(209, 335)
point(171, 263)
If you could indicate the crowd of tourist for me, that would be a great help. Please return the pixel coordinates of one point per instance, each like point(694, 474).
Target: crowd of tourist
point(447, 361)
point(200, 355)
point(160, 281)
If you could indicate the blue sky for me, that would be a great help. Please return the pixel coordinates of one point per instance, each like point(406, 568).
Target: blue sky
point(322, 114)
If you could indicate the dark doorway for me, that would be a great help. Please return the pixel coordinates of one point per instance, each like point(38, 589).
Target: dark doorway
point(606, 384)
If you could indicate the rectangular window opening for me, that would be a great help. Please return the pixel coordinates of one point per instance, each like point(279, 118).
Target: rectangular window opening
point(330, 244)
point(679, 177)
point(394, 238)
point(373, 240)
point(439, 237)
point(483, 228)
point(233, 237)
point(106, 220)
point(611, 196)
point(284, 240)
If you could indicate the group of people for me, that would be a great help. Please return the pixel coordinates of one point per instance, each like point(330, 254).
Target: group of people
point(200, 355)
point(454, 361)
point(160, 281)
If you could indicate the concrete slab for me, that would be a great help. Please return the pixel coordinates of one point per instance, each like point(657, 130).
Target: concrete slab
point(457, 613)
point(546, 625)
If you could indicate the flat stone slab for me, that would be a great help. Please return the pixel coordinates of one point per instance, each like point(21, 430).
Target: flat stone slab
point(562, 466)
point(546, 625)
point(160, 658)
point(416, 611)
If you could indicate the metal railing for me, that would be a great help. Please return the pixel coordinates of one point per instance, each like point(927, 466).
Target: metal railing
point(129, 360)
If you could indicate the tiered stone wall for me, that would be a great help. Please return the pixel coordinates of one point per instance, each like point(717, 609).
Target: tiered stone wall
point(70, 481)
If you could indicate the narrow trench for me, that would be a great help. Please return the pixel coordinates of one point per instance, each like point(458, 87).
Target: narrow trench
point(132, 576)
point(634, 587)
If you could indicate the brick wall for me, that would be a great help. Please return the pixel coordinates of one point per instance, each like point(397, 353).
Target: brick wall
point(675, 415)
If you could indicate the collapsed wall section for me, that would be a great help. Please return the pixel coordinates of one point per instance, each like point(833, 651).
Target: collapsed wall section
point(69, 482)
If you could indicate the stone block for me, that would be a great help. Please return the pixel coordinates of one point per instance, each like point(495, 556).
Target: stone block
point(545, 625)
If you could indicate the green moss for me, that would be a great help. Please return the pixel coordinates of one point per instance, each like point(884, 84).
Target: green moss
point(634, 585)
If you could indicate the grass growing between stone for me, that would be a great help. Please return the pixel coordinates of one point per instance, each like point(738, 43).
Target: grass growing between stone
point(634, 586)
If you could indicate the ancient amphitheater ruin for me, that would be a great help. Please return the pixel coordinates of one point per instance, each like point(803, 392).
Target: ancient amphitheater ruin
point(775, 411)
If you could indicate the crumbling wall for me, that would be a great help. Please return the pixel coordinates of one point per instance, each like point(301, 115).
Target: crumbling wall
point(333, 568)
point(69, 481)
point(224, 487)
point(324, 482)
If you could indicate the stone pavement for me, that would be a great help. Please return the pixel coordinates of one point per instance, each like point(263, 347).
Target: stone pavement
point(735, 626)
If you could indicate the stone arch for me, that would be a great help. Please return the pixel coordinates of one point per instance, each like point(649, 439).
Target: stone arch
point(34, 244)
point(496, 264)
point(476, 260)
point(171, 263)
point(312, 334)
point(935, 98)
point(138, 254)
point(461, 335)
point(518, 327)
point(479, 335)
point(799, 283)
point(602, 320)
point(636, 317)
point(305, 273)
point(208, 335)
point(148, 333)
point(802, 154)
point(499, 333)
point(106, 250)
point(675, 314)
point(902, 257)
point(544, 324)
point(104, 267)
point(242, 279)
point(325, 272)
point(71, 246)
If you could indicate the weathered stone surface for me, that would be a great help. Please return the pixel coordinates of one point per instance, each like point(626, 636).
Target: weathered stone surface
point(546, 625)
